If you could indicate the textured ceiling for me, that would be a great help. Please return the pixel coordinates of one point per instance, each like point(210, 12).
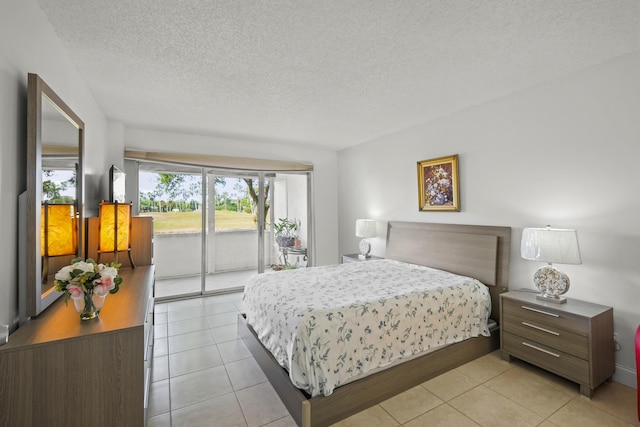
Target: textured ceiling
point(332, 73)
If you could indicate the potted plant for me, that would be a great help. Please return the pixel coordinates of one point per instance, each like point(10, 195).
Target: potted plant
point(286, 231)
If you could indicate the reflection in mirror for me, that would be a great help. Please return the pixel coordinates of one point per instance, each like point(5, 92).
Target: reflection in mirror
point(54, 198)
point(117, 185)
point(60, 161)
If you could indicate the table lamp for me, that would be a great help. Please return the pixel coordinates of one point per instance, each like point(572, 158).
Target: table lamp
point(365, 228)
point(58, 234)
point(551, 245)
point(114, 229)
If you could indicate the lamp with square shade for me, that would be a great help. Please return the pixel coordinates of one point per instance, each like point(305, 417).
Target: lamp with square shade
point(115, 229)
point(58, 236)
point(551, 245)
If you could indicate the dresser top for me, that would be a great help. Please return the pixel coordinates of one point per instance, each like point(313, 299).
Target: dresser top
point(122, 310)
point(572, 306)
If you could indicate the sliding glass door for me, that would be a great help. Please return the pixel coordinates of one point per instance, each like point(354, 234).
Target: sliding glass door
point(173, 196)
point(291, 241)
point(238, 229)
point(213, 228)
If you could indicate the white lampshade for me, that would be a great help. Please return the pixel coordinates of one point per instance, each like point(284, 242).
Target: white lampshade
point(552, 245)
point(365, 228)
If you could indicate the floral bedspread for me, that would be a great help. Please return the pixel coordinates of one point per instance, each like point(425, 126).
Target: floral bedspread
point(327, 325)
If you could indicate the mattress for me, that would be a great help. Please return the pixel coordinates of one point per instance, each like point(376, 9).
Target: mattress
point(332, 324)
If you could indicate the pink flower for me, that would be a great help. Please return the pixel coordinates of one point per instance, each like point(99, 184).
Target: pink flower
point(75, 291)
point(105, 284)
point(108, 282)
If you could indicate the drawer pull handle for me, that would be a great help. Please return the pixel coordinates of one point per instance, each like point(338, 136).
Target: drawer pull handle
point(147, 384)
point(540, 349)
point(541, 329)
point(540, 311)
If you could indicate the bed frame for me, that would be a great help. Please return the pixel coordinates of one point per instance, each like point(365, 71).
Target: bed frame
point(472, 250)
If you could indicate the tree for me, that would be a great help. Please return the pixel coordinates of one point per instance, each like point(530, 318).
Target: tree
point(195, 189)
point(253, 193)
point(152, 197)
point(169, 184)
point(51, 189)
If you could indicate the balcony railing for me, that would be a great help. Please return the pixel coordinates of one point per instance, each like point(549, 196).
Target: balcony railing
point(180, 254)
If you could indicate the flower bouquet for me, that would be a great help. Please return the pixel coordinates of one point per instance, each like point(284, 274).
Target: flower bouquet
point(87, 284)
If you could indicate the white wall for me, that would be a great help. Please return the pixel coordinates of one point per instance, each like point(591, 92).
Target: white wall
point(28, 44)
point(563, 153)
point(324, 161)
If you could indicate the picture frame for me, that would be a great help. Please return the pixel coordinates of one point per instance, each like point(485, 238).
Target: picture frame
point(438, 185)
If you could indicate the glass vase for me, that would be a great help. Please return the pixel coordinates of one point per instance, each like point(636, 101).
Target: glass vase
point(89, 305)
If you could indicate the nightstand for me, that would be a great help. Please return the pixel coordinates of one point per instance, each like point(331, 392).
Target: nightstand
point(354, 258)
point(573, 340)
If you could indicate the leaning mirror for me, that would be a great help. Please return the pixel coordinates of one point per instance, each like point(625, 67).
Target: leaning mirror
point(54, 197)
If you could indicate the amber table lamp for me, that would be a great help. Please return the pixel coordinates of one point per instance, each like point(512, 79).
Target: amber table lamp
point(58, 234)
point(115, 230)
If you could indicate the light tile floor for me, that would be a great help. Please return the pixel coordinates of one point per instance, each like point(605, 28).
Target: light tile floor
point(203, 375)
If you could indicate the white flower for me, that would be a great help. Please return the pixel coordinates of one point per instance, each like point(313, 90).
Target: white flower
point(64, 274)
point(110, 272)
point(85, 267)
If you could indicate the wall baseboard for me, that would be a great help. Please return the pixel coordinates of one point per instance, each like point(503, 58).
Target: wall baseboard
point(626, 376)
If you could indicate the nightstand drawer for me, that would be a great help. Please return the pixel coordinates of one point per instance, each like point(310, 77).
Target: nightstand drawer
point(573, 339)
point(549, 335)
point(561, 363)
point(547, 316)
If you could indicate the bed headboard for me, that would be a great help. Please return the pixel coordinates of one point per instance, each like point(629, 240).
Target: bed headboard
point(477, 251)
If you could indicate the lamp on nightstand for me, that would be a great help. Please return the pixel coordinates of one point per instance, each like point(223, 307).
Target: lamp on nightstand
point(551, 245)
point(365, 228)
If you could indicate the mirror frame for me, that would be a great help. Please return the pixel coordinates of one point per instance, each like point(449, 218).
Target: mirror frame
point(37, 91)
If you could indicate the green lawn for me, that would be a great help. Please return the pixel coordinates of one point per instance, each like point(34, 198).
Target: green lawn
point(191, 222)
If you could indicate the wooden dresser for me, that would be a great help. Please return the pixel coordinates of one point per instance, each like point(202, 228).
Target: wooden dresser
point(573, 340)
point(57, 370)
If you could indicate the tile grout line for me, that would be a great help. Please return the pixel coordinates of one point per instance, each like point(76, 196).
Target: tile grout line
point(234, 391)
point(215, 343)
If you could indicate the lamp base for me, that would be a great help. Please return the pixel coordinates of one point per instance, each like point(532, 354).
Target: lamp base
point(551, 298)
point(365, 248)
point(552, 283)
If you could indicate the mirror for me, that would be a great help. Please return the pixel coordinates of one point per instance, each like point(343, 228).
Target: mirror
point(55, 172)
point(117, 185)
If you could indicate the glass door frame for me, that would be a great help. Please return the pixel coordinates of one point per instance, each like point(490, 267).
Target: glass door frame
point(261, 175)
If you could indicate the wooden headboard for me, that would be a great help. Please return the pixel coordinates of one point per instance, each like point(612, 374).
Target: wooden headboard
point(477, 251)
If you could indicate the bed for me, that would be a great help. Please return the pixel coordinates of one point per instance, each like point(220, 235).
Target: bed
point(479, 252)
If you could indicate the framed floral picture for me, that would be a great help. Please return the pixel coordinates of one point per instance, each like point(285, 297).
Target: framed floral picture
point(438, 188)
